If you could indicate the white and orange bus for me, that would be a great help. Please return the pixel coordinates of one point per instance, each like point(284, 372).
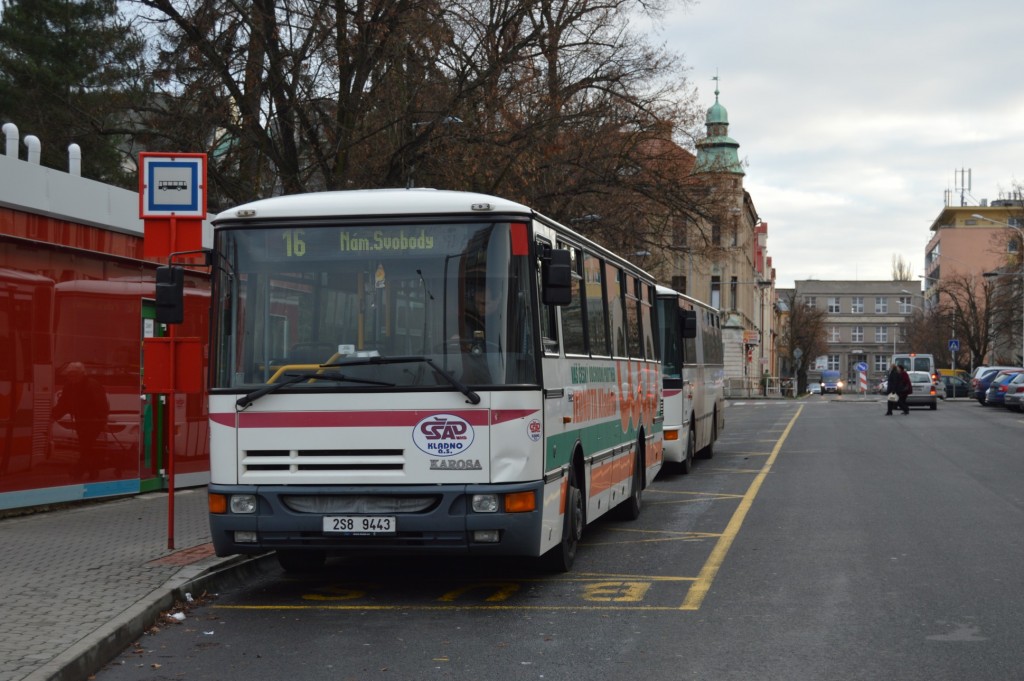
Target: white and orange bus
point(424, 371)
point(694, 377)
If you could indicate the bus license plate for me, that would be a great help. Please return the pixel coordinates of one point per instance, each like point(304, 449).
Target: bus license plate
point(359, 524)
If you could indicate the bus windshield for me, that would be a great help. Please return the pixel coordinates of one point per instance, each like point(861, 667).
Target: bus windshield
point(290, 299)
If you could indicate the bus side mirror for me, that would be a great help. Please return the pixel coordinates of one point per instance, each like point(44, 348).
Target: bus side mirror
point(689, 323)
point(170, 294)
point(556, 275)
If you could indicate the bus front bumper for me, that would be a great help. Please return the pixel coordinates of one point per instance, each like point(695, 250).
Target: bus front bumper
point(283, 519)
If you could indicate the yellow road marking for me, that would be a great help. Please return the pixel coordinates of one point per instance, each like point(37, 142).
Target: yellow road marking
point(699, 589)
point(452, 606)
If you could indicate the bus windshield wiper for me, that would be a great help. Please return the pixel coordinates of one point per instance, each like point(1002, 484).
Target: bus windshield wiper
point(293, 377)
point(409, 359)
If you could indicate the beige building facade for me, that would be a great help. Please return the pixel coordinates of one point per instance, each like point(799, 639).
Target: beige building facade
point(734, 273)
point(865, 324)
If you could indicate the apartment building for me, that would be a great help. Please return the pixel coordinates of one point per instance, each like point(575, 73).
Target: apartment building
point(866, 322)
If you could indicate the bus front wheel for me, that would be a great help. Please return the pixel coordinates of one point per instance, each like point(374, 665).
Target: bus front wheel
point(561, 557)
point(687, 463)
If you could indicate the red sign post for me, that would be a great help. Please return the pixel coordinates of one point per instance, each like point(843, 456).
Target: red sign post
point(172, 204)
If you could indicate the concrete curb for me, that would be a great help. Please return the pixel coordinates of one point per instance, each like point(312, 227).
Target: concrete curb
point(98, 648)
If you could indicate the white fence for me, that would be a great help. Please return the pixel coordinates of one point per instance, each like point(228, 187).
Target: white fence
point(771, 387)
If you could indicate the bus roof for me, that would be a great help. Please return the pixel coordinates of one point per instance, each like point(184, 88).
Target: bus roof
point(663, 291)
point(376, 202)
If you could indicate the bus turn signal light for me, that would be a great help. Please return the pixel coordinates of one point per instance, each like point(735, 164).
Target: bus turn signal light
point(520, 502)
point(218, 503)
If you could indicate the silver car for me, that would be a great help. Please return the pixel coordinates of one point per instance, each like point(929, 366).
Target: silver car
point(925, 394)
point(1015, 393)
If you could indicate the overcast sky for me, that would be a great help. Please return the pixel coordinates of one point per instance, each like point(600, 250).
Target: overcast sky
point(853, 117)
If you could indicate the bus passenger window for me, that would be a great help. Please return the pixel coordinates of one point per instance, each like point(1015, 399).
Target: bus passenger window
point(597, 320)
point(572, 314)
point(633, 318)
point(646, 298)
point(616, 309)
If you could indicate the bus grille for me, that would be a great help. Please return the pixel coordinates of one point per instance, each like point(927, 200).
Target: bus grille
point(323, 460)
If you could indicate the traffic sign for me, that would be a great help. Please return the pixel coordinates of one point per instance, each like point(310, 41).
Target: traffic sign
point(172, 185)
point(954, 345)
point(861, 366)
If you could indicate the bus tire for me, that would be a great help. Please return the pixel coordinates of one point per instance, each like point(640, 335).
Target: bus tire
point(561, 557)
point(708, 452)
point(297, 562)
point(687, 463)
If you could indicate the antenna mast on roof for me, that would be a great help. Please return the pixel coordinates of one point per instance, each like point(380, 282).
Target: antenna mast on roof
point(963, 184)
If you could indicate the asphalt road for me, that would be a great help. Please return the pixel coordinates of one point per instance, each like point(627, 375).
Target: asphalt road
point(823, 541)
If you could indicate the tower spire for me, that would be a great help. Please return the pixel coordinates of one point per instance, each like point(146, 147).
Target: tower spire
point(717, 153)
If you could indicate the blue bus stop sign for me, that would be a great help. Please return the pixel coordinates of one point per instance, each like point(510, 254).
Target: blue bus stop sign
point(954, 345)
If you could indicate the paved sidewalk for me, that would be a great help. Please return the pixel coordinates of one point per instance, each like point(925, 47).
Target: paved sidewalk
point(78, 585)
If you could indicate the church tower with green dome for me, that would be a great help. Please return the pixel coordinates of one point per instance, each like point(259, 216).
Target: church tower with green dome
point(718, 153)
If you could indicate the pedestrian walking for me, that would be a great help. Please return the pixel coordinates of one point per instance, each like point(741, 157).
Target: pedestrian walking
point(891, 394)
point(897, 388)
point(906, 387)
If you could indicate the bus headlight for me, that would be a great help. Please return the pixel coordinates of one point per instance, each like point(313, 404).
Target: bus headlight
point(485, 503)
point(243, 503)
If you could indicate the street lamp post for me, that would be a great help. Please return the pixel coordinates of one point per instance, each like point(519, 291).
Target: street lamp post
point(1020, 255)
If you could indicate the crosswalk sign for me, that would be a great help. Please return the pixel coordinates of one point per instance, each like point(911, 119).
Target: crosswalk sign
point(954, 345)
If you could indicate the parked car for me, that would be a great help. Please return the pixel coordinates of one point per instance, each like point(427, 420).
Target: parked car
point(982, 377)
point(813, 388)
point(955, 386)
point(1015, 393)
point(925, 394)
point(995, 396)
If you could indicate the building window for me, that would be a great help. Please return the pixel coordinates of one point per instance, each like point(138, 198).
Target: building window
point(881, 334)
point(734, 291)
point(881, 305)
point(833, 362)
point(811, 302)
point(833, 334)
point(857, 305)
point(857, 334)
point(905, 305)
point(833, 304)
point(716, 234)
point(881, 363)
point(716, 293)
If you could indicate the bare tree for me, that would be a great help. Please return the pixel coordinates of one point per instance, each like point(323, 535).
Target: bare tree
point(901, 269)
point(804, 329)
point(551, 102)
point(929, 332)
point(966, 304)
